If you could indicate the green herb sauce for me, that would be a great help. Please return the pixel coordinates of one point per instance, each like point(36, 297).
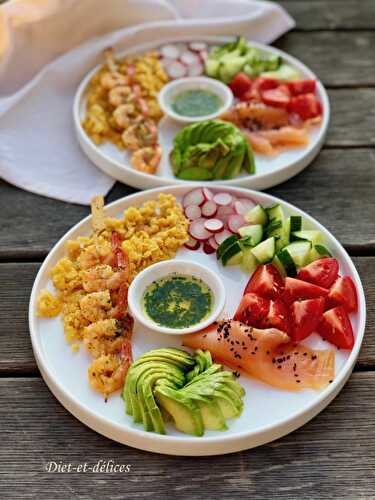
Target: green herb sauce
point(178, 301)
point(196, 103)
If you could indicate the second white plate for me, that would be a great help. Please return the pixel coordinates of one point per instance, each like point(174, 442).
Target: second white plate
point(270, 171)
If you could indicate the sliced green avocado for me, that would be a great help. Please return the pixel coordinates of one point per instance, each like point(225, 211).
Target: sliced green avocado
point(178, 357)
point(185, 413)
point(212, 416)
point(195, 174)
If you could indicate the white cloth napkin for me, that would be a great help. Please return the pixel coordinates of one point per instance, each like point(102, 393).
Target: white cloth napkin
point(47, 47)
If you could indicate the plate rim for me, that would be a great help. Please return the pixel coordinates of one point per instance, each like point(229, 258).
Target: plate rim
point(206, 445)
point(143, 180)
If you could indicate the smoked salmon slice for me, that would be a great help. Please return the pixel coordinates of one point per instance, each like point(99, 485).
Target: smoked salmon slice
point(267, 355)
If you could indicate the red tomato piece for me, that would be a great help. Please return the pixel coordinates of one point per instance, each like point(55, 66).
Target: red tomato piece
point(266, 282)
point(302, 87)
point(259, 85)
point(300, 290)
point(305, 316)
point(278, 97)
point(305, 105)
point(343, 293)
point(321, 272)
point(253, 310)
point(278, 316)
point(240, 84)
point(335, 327)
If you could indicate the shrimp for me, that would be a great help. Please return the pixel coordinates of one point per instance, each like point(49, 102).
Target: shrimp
point(107, 373)
point(96, 305)
point(124, 114)
point(119, 95)
point(102, 277)
point(102, 337)
point(89, 257)
point(111, 80)
point(140, 135)
point(147, 159)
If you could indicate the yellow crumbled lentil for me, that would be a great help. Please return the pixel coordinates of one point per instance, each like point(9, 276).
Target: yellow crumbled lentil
point(48, 305)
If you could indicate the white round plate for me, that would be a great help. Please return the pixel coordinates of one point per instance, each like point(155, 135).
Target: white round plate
point(268, 413)
point(269, 170)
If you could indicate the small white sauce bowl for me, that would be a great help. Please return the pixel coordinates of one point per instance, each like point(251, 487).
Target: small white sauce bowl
point(169, 92)
point(163, 269)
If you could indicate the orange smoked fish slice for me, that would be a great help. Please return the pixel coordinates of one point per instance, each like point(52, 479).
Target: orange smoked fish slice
point(267, 355)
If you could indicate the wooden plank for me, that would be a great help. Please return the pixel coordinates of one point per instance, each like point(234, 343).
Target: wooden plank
point(329, 458)
point(16, 355)
point(331, 14)
point(32, 224)
point(337, 58)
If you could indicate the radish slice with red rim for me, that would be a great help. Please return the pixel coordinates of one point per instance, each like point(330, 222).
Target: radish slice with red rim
point(189, 58)
point(176, 70)
point(207, 193)
point(192, 244)
point(198, 231)
point(213, 242)
point(241, 207)
point(194, 197)
point(223, 213)
point(170, 51)
point(197, 46)
point(209, 208)
point(222, 236)
point(207, 248)
point(193, 212)
point(214, 225)
point(235, 222)
point(223, 199)
point(196, 69)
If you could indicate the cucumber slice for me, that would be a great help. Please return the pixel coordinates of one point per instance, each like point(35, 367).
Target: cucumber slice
point(225, 245)
point(254, 232)
point(257, 215)
point(249, 262)
point(314, 236)
point(299, 251)
point(319, 251)
point(273, 226)
point(265, 251)
point(275, 212)
point(232, 255)
point(287, 262)
point(276, 262)
point(295, 223)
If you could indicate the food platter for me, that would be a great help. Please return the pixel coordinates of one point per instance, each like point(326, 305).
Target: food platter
point(268, 412)
point(270, 170)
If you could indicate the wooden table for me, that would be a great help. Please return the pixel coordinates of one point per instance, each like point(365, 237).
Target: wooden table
point(333, 456)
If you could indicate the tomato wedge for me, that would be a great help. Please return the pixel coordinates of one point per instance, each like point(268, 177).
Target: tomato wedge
point(305, 316)
point(305, 105)
point(298, 290)
point(343, 293)
point(298, 87)
point(266, 282)
point(259, 85)
point(278, 97)
point(321, 272)
point(252, 310)
point(278, 316)
point(240, 84)
point(335, 327)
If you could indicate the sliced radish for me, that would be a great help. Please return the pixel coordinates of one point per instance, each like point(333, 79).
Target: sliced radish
point(213, 242)
point(223, 199)
point(176, 70)
point(189, 58)
point(192, 244)
point(214, 225)
point(203, 54)
point(222, 236)
point(223, 213)
point(235, 222)
point(195, 69)
point(207, 193)
point(198, 231)
point(194, 197)
point(197, 46)
point(193, 212)
point(209, 208)
point(170, 51)
point(207, 248)
point(166, 61)
point(242, 206)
